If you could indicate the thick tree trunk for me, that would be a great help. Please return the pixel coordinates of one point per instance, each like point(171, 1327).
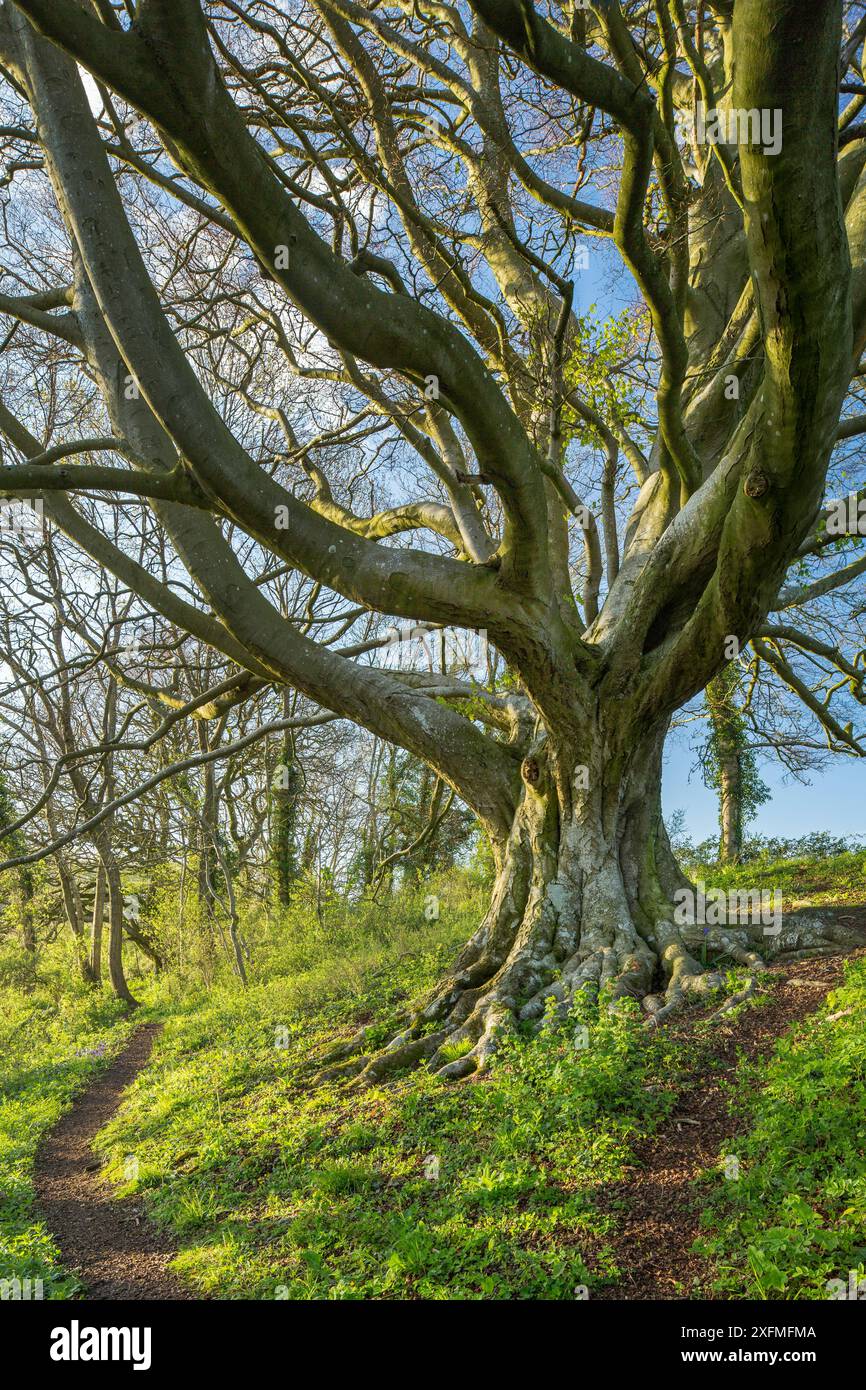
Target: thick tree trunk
point(582, 899)
point(583, 902)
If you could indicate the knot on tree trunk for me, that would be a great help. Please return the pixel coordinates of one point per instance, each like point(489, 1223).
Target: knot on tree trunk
point(756, 484)
point(530, 771)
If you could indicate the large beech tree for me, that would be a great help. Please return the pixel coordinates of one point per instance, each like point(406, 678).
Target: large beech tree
point(402, 185)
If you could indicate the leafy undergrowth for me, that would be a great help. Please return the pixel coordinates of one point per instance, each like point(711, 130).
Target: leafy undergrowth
point(417, 1190)
point(482, 1190)
point(794, 1220)
point(53, 1040)
point(837, 880)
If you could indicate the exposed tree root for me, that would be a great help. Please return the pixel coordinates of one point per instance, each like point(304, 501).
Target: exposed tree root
point(582, 905)
point(734, 1000)
point(534, 985)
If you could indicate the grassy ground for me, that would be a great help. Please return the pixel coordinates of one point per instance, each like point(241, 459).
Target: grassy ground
point(52, 1041)
point(804, 881)
point(413, 1191)
point(795, 1218)
point(418, 1190)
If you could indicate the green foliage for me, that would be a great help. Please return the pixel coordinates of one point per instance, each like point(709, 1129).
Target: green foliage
point(727, 739)
point(52, 1041)
point(796, 1217)
point(804, 879)
point(411, 821)
point(601, 345)
point(415, 1190)
point(18, 887)
point(483, 1190)
point(817, 845)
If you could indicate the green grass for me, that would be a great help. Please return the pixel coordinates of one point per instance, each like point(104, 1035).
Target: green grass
point(796, 1216)
point(481, 1190)
point(838, 880)
point(417, 1190)
point(52, 1041)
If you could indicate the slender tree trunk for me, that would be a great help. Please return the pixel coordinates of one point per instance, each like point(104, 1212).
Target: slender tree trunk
point(234, 920)
point(115, 926)
point(143, 942)
point(286, 784)
point(96, 921)
point(25, 894)
point(208, 829)
point(727, 743)
point(730, 792)
point(74, 915)
point(308, 853)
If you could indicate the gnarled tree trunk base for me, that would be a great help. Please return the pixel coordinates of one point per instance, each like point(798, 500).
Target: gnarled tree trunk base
point(454, 1033)
point(583, 904)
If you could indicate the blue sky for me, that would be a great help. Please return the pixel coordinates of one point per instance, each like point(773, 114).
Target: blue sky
point(833, 799)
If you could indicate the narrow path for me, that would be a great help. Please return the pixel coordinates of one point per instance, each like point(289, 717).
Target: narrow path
point(657, 1209)
point(109, 1244)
